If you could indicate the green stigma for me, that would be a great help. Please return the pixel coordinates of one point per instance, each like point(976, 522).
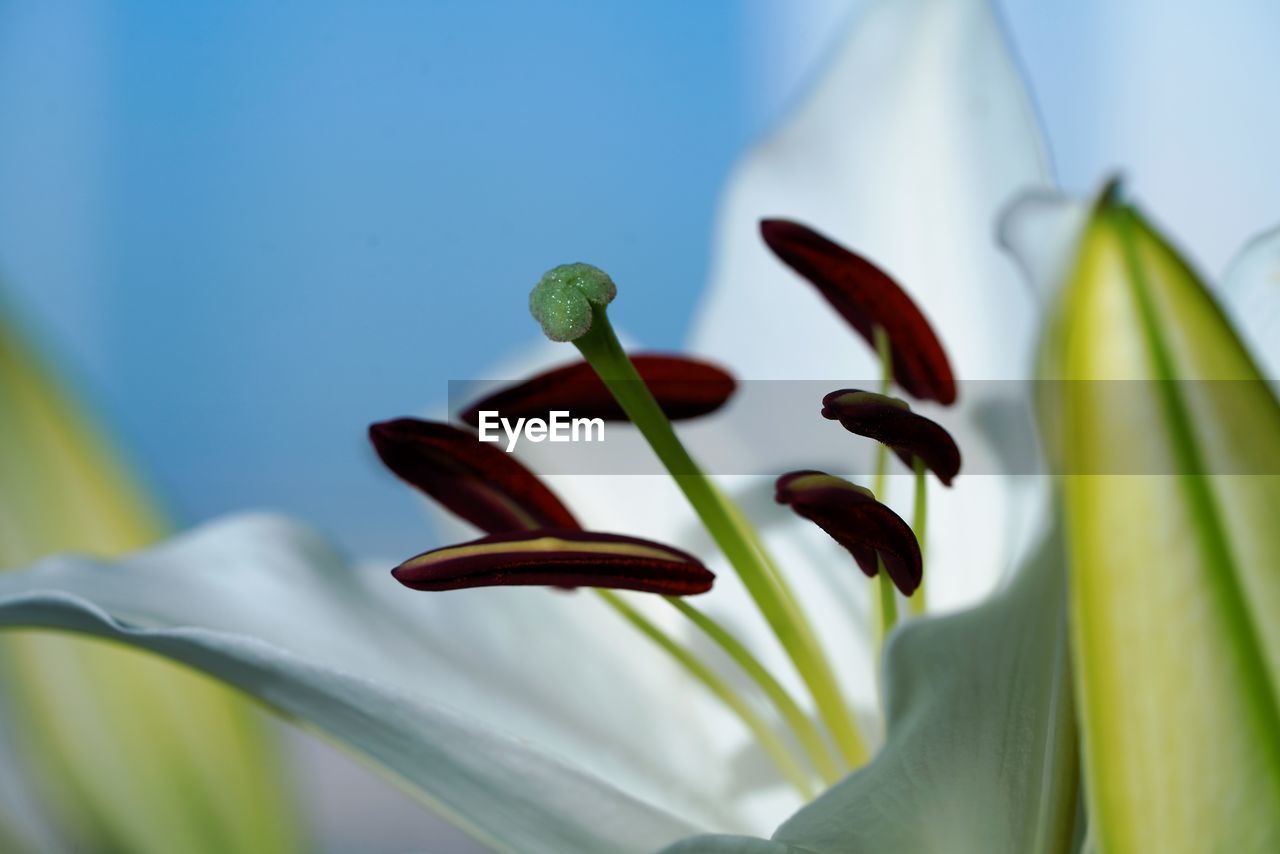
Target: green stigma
point(565, 299)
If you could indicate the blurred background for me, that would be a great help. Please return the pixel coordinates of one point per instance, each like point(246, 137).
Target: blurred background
point(247, 229)
point(250, 228)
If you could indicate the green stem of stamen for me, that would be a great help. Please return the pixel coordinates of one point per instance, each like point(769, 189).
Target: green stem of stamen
point(887, 596)
point(601, 349)
point(806, 733)
point(885, 355)
point(744, 529)
point(789, 601)
point(919, 521)
point(886, 601)
point(767, 738)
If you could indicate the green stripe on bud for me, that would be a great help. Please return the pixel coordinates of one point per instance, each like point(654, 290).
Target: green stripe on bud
point(1175, 570)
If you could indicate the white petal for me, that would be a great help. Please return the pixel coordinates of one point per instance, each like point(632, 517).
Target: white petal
point(915, 135)
point(1250, 292)
point(1040, 230)
point(265, 605)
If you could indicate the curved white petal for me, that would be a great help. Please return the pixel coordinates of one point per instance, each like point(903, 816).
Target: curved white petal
point(1040, 230)
point(1250, 291)
point(406, 680)
point(981, 752)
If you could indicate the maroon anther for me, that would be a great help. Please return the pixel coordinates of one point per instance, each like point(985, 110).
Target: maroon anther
point(684, 388)
point(475, 480)
point(891, 422)
point(868, 297)
point(562, 558)
point(856, 520)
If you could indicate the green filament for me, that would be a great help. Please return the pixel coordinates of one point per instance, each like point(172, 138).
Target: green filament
point(919, 521)
point(806, 733)
point(599, 345)
point(886, 601)
point(736, 703)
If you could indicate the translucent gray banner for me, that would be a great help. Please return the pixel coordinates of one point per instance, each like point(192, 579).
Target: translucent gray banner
point(1001, 427)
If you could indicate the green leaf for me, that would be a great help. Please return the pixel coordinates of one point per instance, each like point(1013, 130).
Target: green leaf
point(128, 752)
point(1170, 441)
point(980, 756)
point(267, 606)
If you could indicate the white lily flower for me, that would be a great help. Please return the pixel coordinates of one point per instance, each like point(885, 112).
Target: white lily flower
point(916, 135)
point(535, 720)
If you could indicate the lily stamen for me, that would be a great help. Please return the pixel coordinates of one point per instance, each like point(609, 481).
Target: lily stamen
point(759, 728)
point(805, 731)
point(570, 303)
point(891, 422)
point(877, 538)
point(868, 299)
point(497, 493)
point(567, 558)
point(484, 486)
point(906, 346)
point(921, 443)
point(684, 387)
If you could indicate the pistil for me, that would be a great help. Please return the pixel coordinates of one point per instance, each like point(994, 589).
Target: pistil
point(886, 598)
point(919, 522)
point(570, 304)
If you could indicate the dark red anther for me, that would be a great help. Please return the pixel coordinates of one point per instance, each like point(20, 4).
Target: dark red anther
point(868, 297)
point(891, 421)
point(684, 388)
point(561, 559)
point(475, 480)
point(856, 520)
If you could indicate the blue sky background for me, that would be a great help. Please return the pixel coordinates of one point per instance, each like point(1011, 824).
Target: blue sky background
point(251, 228)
